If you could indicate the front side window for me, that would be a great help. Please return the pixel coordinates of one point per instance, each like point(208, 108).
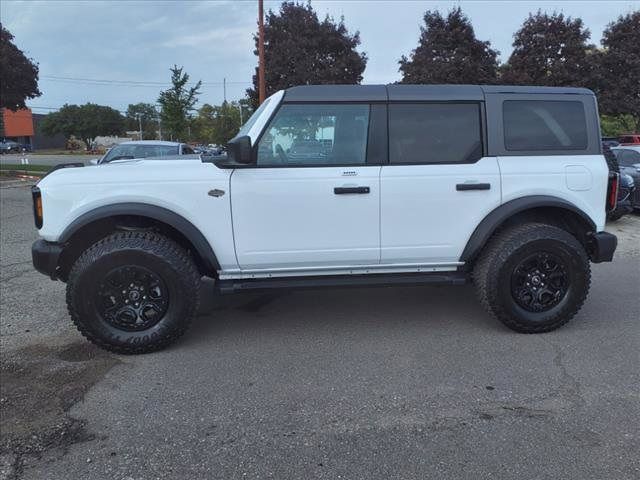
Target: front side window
point(316, 134)
point(544, 125)
point(434, 133)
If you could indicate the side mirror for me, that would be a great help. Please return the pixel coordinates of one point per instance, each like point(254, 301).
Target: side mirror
point(239, 150)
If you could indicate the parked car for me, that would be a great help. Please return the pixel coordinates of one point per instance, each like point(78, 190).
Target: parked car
point(629, 160)
point(610, 141)
point(629, 139)
point(9, 146)
point(144, 149)
point(503, 187)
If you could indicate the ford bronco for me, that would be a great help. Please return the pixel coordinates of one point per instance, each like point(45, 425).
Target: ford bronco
point(338, 185)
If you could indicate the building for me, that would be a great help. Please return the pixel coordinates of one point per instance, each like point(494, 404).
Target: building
point(23, 126)
point(17, 126)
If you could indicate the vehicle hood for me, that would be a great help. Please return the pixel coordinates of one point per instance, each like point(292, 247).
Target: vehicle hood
point(134, 172)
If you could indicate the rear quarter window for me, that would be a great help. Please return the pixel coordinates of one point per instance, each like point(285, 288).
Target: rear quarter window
point(538, 125)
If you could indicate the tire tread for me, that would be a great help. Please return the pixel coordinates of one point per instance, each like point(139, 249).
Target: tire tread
point(149, 242)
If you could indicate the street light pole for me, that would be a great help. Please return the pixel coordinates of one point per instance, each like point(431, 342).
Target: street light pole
point(140, 126)
point(262, 91)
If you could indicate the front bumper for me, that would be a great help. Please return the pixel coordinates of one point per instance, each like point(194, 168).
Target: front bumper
point(45, 256)
point(602, 246)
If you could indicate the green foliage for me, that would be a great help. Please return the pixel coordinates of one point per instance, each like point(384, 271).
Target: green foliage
point(219, 124)
point(177, 103)
point(616, 70)
point(449, 52)
point(616, 125)
point(18, 74)
point(148, 117)
point(549, 50)
point(84, 121)
point(301, 50)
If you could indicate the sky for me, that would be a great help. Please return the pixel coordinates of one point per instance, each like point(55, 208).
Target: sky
point(119, 52)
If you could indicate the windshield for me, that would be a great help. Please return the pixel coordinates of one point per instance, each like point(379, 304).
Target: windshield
point(627, 158)
point(128, 151)
point(247, 126)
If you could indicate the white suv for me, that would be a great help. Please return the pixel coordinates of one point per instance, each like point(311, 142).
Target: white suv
point(336, 185)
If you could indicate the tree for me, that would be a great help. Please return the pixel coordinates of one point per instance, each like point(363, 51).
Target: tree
point(219, 124)
point(616, 71)
point(449, 52)
point(148, 117)
point(301, 50)
point(177, 103)
point(549, 50)
point(84, 121)
point(18, 74)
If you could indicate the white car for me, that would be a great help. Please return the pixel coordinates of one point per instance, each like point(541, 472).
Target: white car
point(334, 185)
point(144, 149)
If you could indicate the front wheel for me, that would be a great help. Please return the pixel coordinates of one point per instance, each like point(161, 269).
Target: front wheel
point(133, 292)
point(533, 278)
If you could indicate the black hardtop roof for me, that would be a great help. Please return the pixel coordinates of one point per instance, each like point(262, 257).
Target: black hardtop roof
point(405, 92)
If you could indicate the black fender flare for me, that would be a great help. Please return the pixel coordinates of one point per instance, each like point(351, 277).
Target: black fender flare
point(499, 215)
point(154, 212)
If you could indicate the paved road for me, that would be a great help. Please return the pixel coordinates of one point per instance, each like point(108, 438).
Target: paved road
point(354, 383)
point(50, 160)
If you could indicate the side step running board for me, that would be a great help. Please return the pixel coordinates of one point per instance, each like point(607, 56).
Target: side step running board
point(370, 280)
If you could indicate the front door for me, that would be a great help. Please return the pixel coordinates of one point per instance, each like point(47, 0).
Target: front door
point(310, 202)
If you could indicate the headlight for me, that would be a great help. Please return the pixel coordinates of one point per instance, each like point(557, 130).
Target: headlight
point(629, 180)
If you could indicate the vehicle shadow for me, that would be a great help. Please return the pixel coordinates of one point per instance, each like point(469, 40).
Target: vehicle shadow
point(434, 309)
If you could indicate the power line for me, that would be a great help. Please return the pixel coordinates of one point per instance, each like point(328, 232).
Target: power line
point(128, 83)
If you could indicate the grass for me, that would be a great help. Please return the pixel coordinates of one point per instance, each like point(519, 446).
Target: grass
point(36, 170)
point(53, 151)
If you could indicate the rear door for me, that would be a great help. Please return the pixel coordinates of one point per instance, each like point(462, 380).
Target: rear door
point(312, 201)
point(438, 185)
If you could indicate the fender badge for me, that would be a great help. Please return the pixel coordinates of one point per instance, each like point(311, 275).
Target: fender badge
point(216, 193)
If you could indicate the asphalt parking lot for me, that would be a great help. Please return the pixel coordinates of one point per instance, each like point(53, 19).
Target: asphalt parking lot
point(363, 383)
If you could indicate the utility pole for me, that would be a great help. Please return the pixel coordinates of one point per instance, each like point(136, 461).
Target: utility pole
point(159, 124)
point(240, 108)
point(224, 89)
point(262, 91)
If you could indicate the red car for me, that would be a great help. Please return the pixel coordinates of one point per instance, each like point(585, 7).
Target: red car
point(630, 139)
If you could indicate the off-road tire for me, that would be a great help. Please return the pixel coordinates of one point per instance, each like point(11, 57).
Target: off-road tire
point(492, 275)
point(138, 250)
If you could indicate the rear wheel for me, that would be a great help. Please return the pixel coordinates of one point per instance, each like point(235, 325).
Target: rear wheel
point(133, 292)
point(533, 278)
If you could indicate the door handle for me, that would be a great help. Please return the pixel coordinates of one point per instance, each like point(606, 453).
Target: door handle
point(348, 190)
point(462, 187)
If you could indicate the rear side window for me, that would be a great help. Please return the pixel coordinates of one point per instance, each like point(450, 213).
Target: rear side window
point(532, 125)
point(434, 133)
